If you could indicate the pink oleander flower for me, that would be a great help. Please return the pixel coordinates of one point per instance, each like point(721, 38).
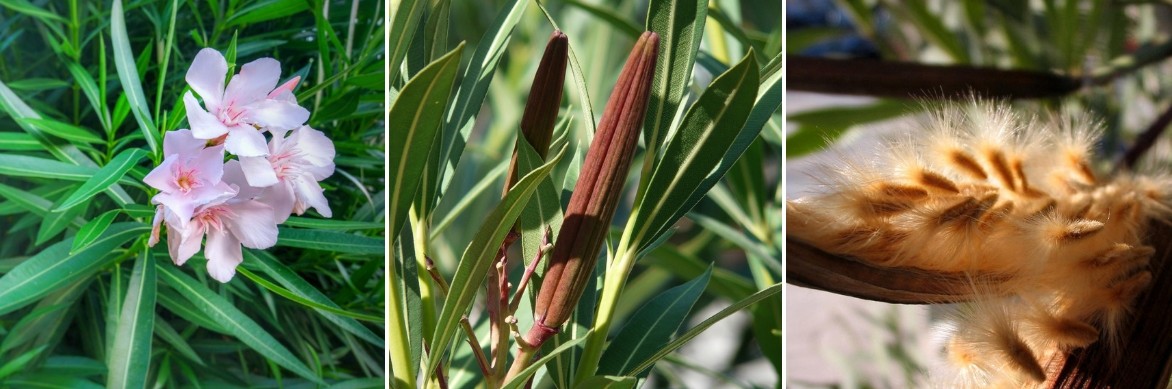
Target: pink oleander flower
point(228, 222)
point(251, 103)
point(298, 162)
point(189, 175)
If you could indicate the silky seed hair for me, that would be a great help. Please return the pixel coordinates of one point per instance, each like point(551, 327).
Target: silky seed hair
point(982, 190)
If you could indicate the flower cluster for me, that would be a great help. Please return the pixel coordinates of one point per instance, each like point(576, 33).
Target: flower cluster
point(241, 201)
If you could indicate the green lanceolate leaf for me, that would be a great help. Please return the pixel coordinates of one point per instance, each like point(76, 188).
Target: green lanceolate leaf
point(128, 75)
point(18, 363)
point(19, 111)
point(698, 147)
point(233, 320)
point(56, 222)
point(473, 88)
point(699, 328)
point(105, 177)
point(131, 353)
point(544, 210)
point(652, 326)
point(306, 292)
point(680, 25)
point(415, 118)
point(608, 382)
point(25, 166)
point(55, 267)
point(339, 242)
point(405, 17)
point(327, 224)
point(479, 255)
point(64, 130)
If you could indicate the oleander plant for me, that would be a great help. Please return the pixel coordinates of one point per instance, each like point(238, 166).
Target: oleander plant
point(191, 194)
point(580, 189)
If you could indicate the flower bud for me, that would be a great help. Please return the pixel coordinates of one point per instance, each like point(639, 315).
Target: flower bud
point(597, 193)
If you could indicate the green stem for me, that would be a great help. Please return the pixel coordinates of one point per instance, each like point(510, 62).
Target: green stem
point(612, 287)
point(401, 369)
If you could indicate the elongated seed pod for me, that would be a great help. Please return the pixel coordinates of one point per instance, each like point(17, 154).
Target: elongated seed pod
point(596, 194)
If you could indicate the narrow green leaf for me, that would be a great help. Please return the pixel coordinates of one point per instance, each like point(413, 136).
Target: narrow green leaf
point(128, 75)
point(579, 80)
point(24, 7)
point(104, 177)
point(695, 331)
point(608, 382)
point(86, 82)
point(18, 363)
point(329, 241)
point(415, 118)
point(15, 141)
point(55, 267)
point(680, 25)
point(50, 381)
point(652, 326)
point(697, 148)
point(25, 166)
point(329, 224)
point(73, 366)
point(92, 230)
point(232, 319)
point(176, 341)
point(403, 22)
point(310, 296)
point(816, 128)
point(267, 10)
point(478, 257)
point(932, 26)
point(131, 353)
point(544, 210)
point(469, 97)
point(54, 223)
point(520, 379)
point(64, 130)
point(610, 16)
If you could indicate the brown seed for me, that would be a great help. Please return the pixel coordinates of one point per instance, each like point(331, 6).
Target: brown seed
point(966, 164)
point(1080, 229)
point(935, 180)
point(899, 191)
point(1000, 167)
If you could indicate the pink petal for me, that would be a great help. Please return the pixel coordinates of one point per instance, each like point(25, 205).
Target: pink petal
point(281, 198)
point(235, 175)
point(163, 176)
point(285, 91)
point(258, 171)
point(253, 224)
point(155, 223)
point(183, 240)
point(276, 114)
point(212, 195)
point(309, 192)
point(315, 148)
point(223, 253)
point(209, 165)
point(246, 141)
point(182, 142)
point(254, 82)
point(182, 206)
point(204, 125)
point(206, 76)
